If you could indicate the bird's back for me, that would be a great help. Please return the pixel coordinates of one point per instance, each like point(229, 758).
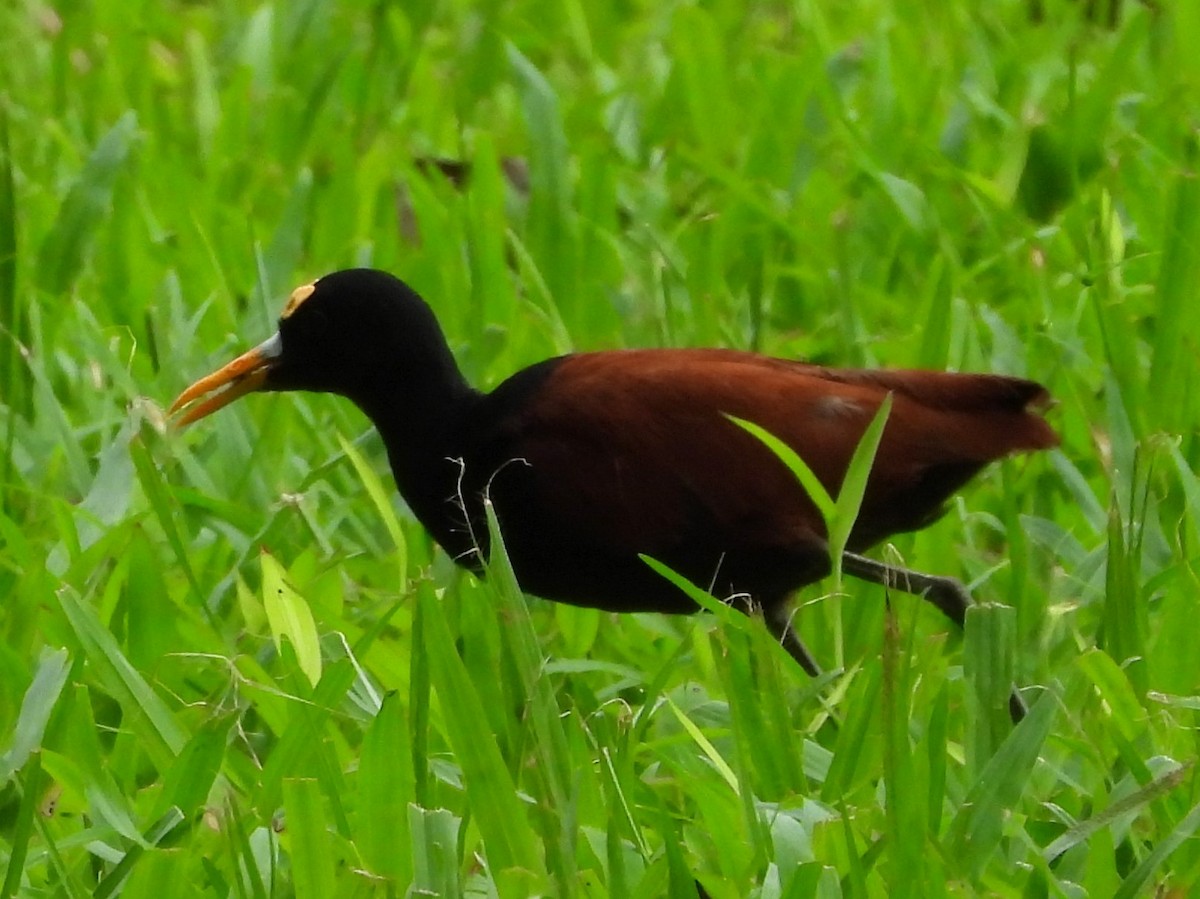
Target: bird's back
point(594, 458)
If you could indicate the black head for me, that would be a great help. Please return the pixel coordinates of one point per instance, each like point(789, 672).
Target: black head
point(356, 333)
point(344, 329)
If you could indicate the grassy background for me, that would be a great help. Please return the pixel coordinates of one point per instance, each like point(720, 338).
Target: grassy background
point(232, 664)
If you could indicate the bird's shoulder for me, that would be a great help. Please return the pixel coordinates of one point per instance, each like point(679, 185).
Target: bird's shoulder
point(595, 389)
point(635, 443)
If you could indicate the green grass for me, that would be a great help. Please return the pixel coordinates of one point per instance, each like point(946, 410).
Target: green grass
point(948, 185)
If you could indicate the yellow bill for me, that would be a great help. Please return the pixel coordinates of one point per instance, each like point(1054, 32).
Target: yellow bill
point(245, 374)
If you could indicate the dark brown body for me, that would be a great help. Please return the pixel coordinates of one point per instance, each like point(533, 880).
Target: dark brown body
point(594, 458)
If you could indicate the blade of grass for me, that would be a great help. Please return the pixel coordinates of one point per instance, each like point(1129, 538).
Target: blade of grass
point(36, 707)
point(812, 485)
point(498, 810)
point(1083, 831)
point(301, 750)
point(168, 518)
point(905, 834)
point(18, 843)
point(854, 485)
point(1123, 634)
point(1117, 692)
point(854, 747)
point(308, 839)
point(383, 505)
point(840, 514)
point(290, 617)
point(149, 717)
point(188, 783)
point(1172, 372)
point(14, 323)
point(88, 201)
point(989, 640)
point(1186, 828)
point(156, 874)
point(550, 741)
point(711, 753)
point(114, 881)
point(552, 237)
point(974, 834)
point(435, 839)
point(386, 786)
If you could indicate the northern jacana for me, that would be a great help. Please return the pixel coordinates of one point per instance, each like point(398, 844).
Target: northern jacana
point(591, 459)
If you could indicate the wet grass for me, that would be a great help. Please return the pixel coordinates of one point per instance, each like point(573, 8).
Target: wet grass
point(233, 665)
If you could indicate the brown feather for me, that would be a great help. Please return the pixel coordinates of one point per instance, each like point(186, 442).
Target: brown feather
point(630, 452)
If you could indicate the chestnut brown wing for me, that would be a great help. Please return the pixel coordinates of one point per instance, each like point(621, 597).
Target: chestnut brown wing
point(629, 452)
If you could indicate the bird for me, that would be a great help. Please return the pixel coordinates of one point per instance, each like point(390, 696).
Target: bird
point(594, 460)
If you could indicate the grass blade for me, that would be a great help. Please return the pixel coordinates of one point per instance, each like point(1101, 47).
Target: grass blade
point(386, 786)
point(290, 617)
point(1132, 885)
point(706, 746)
point(1082, 831)
point(812, 485)
point(840, 514)
point(382, 503)
point(167, 514)
point(989, 640)
point(435, 838)
point(14, 323)
point(36, 706)
point(308, 839)
point(187, 784)
point(155, 725)
point(1116, 691)
point(22, 831)
point(1173, 372)
point(508, 839)
point(854, 485)
point(86, 204)
point(975, 832)
point(550, 743)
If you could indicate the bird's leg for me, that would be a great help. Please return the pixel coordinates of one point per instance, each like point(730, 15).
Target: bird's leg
point(947, 593)
point(778, 618)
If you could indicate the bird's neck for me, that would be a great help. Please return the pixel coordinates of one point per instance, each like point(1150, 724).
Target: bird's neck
point(418, 400)
point(418, 414)
point(417, 407)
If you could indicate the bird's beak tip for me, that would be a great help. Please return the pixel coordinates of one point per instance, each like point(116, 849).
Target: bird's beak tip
point(245, 374)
